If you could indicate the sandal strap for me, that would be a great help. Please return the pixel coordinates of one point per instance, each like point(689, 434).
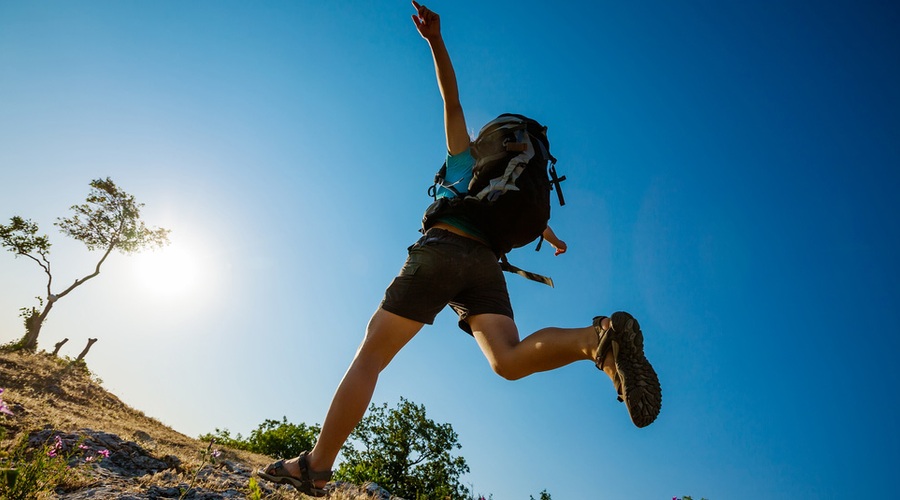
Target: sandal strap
point(307, 474)
point(603, 339)
point(606, 343)
point(277, 469)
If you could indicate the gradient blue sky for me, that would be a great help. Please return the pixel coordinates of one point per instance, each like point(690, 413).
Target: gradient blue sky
point(733, 179)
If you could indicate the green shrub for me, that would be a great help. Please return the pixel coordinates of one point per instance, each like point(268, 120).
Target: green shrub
point(273, 438)
point(406, 453)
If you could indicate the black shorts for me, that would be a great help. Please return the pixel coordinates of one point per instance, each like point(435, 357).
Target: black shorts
point(445, 268)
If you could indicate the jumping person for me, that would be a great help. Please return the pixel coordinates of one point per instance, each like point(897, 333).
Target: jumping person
point(453, 264)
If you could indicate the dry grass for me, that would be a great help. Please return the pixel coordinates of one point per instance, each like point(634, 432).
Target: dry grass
point(49, 392)
point(46, 392)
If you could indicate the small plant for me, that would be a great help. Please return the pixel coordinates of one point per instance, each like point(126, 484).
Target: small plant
point(26, 474)
point(16, 345)
point(255, 491)
point(209, 455)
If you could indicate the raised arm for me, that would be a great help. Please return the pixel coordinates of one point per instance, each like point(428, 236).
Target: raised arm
point(428, 24)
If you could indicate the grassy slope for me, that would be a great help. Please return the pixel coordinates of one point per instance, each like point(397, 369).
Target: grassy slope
point(48, 392)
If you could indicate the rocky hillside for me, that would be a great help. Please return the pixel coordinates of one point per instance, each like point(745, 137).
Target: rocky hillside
point(55, 402)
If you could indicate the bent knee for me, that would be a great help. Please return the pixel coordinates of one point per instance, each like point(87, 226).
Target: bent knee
point(507, 370)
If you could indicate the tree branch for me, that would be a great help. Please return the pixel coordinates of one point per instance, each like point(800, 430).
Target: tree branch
point(47, 270)
point(58, 346)
point(85, 351)
point(32, 257)
point(81, 281)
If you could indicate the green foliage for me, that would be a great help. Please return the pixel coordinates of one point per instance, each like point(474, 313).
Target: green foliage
point(273, 438)
point(29, 313)
point(255, 492)
point(405, 452)
point(544, 496)
point(13, 346)
point(283, 439)
point(20, 237)
point(224, 438)
point(111, 219)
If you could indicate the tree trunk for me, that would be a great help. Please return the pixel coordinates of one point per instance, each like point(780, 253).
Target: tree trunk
point(58, 345)
point(85, 351)
point(32, 329)
point(33, 326)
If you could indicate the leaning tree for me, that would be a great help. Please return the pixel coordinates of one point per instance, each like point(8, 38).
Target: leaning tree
point(109, 220)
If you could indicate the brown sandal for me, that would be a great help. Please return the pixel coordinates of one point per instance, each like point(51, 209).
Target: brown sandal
point(637, 384)
point(277, 473)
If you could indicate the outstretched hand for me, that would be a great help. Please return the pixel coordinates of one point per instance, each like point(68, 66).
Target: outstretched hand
point(560, 247)
point(557, 244)
point(427, 22)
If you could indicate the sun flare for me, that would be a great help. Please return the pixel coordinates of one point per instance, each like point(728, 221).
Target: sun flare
point(172, 271)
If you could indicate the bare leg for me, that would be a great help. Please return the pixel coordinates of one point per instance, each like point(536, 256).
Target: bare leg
point(386, 334)
point(543, 350)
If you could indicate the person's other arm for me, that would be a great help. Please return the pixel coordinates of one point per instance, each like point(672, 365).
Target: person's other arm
point(554, 241)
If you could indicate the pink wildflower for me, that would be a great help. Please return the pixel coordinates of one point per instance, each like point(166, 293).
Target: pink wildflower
point(104, 453)
point(57, 447)
point(3, 408)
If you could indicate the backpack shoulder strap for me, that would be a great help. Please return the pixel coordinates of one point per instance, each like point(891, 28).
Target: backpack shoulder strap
point(440, 180)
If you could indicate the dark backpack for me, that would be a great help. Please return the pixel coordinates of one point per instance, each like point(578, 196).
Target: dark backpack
point(509, 195)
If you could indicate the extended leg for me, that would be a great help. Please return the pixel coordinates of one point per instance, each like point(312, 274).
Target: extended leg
point(386, 334)
point(623, 360)
point(545, 349)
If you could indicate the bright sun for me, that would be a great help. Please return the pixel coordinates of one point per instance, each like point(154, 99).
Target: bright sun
point(172, 271)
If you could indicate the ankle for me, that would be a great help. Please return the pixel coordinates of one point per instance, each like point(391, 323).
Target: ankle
point(609, 365)
point(594, 343)
point(313, 461)
point(315, 466)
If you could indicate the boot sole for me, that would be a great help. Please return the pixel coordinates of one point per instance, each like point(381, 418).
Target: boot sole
point(643, 394)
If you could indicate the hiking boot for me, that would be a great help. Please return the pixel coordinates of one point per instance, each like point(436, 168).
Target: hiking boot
point(635, 380)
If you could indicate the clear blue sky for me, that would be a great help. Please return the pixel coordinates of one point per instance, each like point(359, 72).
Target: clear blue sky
point(733, 179)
